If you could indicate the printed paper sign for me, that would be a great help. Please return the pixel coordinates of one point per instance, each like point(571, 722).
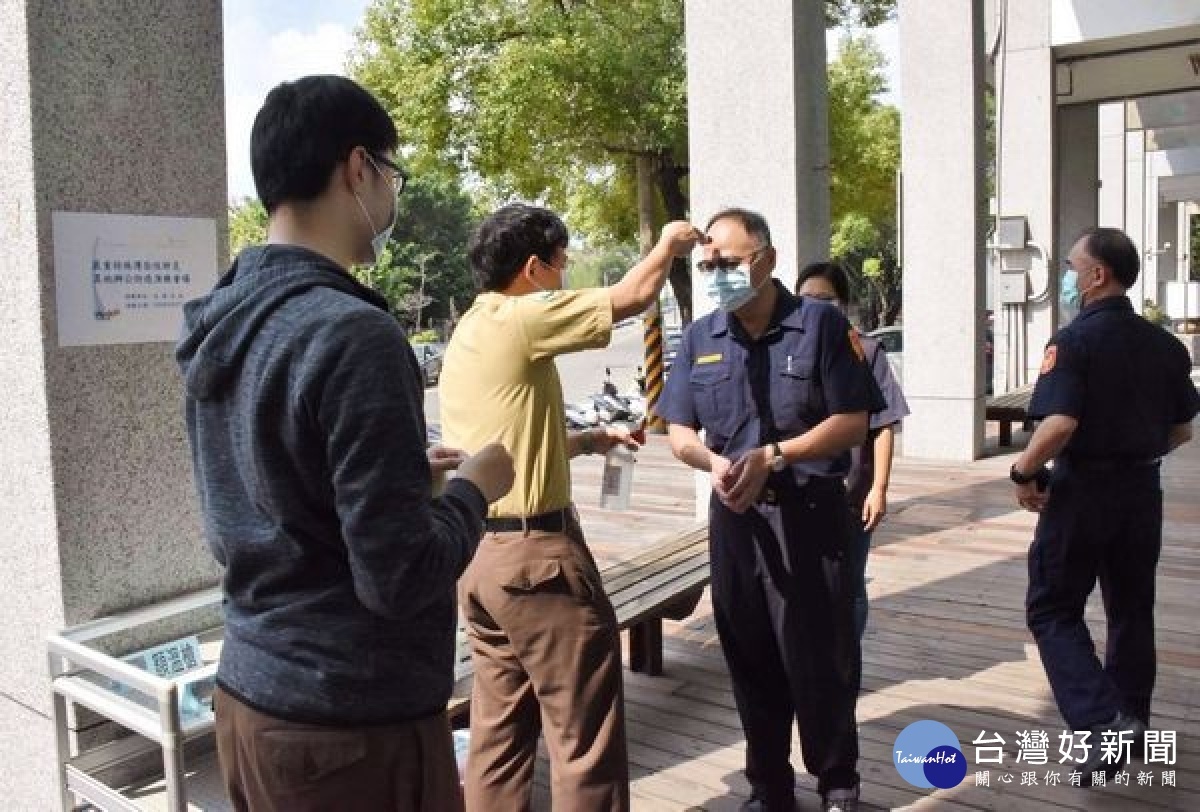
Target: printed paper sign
point(123, 279)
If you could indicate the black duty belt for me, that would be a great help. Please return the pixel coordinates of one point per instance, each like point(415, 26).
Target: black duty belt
point(553, 522)
point(773, 494)
point(1107, 464)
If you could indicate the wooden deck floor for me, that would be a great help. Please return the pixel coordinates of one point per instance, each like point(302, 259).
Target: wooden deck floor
point(946, 641)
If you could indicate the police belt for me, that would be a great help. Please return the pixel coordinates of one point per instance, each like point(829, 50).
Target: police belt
point(1106, 465)
point(773, 494)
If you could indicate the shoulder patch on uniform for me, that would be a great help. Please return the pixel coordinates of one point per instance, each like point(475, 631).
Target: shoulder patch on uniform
point(1049, 359)
point(856, 344)
point(709, 359)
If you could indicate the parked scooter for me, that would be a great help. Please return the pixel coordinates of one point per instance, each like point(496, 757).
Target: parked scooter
point(609, 406)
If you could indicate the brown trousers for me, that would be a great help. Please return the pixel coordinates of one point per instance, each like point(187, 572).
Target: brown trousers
point(269, 764)
point(547, 658)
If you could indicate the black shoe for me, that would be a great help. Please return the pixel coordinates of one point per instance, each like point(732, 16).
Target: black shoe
point(1123, 722)
point(759, 804)
point(840, 800)
point(1139, 737)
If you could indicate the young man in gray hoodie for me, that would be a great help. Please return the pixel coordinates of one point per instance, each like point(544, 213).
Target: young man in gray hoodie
point(304, 411)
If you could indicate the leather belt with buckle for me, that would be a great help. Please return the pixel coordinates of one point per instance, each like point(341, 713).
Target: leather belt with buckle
point(553, 522)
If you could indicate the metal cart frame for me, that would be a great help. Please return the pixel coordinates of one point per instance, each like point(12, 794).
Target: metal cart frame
point(74, 667)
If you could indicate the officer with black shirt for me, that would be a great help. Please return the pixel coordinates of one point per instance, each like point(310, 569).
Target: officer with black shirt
point(1114, 396)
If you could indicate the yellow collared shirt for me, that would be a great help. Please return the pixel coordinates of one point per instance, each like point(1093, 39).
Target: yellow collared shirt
point(499, 383)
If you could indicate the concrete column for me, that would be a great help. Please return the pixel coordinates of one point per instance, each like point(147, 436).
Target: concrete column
point(941, 63)
point(758, 128)
point(1152, 259)
point(1077, 178)
point(1110, 165)
point(1163, 256)
point(758, 124)
point(107, 108)
point(1183, 241)
point(1135, 205)
point(1026, 119)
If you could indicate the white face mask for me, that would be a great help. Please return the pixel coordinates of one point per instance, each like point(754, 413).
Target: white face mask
point(562, 277)
point(380, 239)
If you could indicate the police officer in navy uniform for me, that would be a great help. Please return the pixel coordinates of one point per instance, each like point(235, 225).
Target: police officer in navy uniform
point(780, 386)
point(1114, 396)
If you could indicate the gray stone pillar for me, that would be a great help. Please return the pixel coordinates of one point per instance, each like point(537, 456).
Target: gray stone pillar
point(1158, 259)
point(1110, 165)
point(1077, 177)
point(1025, 187)
point(1183, 241)
point(941, 63)
point(1136, 182)
point(107, 108)
point(758, 130)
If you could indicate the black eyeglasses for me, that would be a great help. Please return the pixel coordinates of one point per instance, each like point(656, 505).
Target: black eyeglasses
point(727, 263)
point(399, 177)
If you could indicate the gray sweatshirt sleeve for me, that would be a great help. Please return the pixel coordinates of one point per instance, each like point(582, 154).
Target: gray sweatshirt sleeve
point(405, 548)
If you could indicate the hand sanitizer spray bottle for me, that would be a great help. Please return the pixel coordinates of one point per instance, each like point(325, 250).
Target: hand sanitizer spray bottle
point(616, 484)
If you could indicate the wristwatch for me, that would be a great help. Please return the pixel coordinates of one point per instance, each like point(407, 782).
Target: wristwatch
point(1023, 479)
point(778, 463)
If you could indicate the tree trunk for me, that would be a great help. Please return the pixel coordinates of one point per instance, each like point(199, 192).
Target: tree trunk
point(879, 314)
point(645, 203)
point(669, 177)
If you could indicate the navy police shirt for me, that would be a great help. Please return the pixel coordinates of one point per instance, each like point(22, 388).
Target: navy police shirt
point(862, 459)
point(1125, 380)
point(745, 393)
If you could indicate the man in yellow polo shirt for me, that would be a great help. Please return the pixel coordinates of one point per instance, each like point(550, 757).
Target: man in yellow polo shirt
point(544, 636)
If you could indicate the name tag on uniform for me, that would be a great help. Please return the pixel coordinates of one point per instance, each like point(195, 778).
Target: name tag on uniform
point(709, 359)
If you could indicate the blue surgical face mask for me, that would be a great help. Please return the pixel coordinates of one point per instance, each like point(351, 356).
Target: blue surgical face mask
point(1068, 292)
point(731, 289)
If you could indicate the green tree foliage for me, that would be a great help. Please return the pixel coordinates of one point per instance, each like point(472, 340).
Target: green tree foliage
point(247, 224)
point(864, 146)
point(554, 100)
point(866, 13)
point(596, 267)
point(434, 220)
point(425, 272)
point(580, 104)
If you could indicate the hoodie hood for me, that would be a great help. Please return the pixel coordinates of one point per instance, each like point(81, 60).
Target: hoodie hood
point(219, 328)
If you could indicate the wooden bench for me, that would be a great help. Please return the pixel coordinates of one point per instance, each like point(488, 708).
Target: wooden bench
point(1008, 408)
point(664, 581)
